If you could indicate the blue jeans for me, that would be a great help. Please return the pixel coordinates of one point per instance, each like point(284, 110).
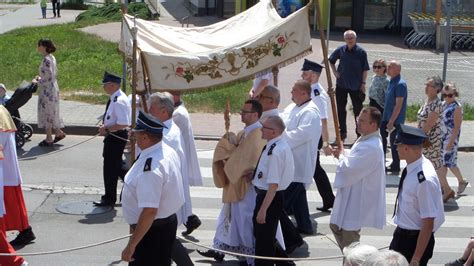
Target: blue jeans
point(296, 203)
point(43, 11)
point(393, 148)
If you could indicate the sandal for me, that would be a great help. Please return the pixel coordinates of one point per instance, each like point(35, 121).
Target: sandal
point(462, 186)
point(448, 196)
point(58, 138)
point(44, 143)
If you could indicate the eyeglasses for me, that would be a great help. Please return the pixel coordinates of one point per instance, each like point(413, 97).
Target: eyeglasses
point(246, 112)
point(449, 95)
point(263, 97)
point(268, 128)
point(378, 67)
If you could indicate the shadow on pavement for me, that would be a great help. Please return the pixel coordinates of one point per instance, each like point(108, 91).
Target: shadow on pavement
point(107, 217)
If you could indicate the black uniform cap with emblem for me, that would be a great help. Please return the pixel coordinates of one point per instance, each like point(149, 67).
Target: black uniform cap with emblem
point(149, 124)
point(409, 135)
point(109, 77)
point(310, 65)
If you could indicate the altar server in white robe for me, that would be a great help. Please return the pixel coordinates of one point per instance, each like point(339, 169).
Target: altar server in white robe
point(360, 182)
point(303, 130)
point(181, 119)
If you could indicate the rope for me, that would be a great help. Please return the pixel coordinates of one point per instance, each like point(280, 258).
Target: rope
point(67, 148)
point(54, 152)
point(64, 250)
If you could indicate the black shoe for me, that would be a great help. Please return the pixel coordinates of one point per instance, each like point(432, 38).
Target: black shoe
point(306, 231)
point(24, 237)
point(392, 170)
point(291, 249)
point(211, 254)
point(103, 203)
point(191, 225)
point(323, 209)
point(243, 263)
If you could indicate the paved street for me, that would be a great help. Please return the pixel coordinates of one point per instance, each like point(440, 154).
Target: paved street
point(75, 174)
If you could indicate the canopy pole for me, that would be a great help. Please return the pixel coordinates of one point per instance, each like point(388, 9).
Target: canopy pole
point(331, 90)
point(134, 87)
point(227, 116)
point(124, 57)
point(275, 75)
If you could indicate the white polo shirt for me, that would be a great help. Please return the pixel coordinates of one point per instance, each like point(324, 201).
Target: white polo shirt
point(276, 166)
point(420, 197)
point(119, 111)
point(259, 77)
point(154, 181)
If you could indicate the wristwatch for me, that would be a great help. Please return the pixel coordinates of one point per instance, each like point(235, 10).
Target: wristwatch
point(325, 144)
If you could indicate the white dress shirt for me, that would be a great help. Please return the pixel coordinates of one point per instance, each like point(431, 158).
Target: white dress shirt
point(259, 77)
point(420, 197)
point(276, 165)
point(303, 130)
point(153, 184)
point(321, 98)
point(119, 111)
point(360, 184)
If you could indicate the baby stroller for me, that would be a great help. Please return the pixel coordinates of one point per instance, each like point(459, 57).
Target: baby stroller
point(19, 98)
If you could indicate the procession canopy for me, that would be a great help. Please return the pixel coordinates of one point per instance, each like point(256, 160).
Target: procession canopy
point(203, 58)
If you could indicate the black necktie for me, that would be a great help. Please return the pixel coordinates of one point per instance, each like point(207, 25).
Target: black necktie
point(105, 113)
point(400, 186)
point(256, 166)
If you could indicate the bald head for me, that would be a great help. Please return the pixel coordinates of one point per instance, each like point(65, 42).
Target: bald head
point(394, 68)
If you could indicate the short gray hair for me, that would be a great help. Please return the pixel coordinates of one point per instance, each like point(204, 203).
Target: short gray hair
point(350, 32)
point(304, 85)
point(437, 82)
point(274, 92)
point(277, 122)
point(356, 253)
point(386, 257)
point(164, 99)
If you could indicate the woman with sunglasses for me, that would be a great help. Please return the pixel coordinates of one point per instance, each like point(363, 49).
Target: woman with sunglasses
point(379, 85)
point(429, 120)
point(452, 118)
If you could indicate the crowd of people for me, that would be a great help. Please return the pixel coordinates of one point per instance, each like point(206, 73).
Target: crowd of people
point(265, 169)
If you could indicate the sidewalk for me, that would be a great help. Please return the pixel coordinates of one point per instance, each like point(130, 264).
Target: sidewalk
point(81, 118)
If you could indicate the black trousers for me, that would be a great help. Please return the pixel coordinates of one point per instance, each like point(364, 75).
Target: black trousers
point(56, 6)
point(357, 98)
point(297, 203)
point(393, 147)
point(404, 242)
point(180, 254)
point(265, 241)
point(112, 167)
point(156, 246)
point(322, 181)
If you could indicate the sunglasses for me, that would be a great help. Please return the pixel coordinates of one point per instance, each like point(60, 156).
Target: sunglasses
point(449, 95)
point(377, 67)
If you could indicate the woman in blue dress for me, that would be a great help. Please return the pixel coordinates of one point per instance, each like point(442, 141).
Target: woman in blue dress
point(452, 119)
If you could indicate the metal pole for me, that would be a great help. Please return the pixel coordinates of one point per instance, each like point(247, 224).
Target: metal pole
point(447, 41)
point(134, 86)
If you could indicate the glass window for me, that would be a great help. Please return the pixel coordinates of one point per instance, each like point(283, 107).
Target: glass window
point(342, 13)
point(379, 14)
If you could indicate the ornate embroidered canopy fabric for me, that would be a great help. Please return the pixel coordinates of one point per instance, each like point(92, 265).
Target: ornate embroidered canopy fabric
point(205, 57)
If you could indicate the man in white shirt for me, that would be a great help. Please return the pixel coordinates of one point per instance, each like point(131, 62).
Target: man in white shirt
point(181, 119)
point(272, 176)
point(311, 72)
point(269, 98)
point(360, 183)
point(116, 119)
point(152, 194)
point(419, 212)
point(303, 130)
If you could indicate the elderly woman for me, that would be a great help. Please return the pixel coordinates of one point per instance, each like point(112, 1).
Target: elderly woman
point(48, 97)
point(379, 85)
point(451, 125)
point(429, 120)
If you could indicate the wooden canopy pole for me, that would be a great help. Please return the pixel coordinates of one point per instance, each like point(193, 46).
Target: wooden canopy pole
point(134, 88)
point(275, 75)
point(331, 91)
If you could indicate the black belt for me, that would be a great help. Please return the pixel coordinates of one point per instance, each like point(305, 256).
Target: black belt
point(262, 191)
point(159, 221)
point(406, 232)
